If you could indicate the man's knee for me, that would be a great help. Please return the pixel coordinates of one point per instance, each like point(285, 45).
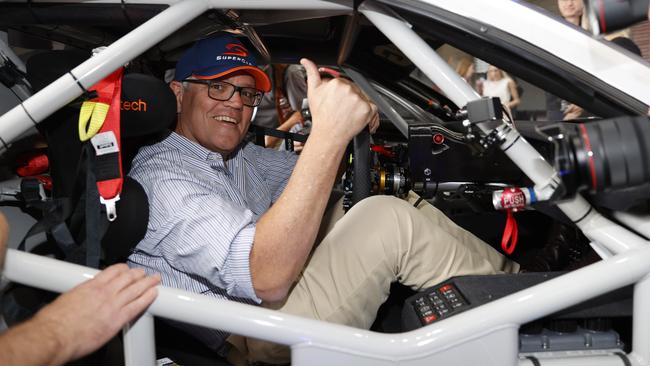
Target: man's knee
point(377, 205)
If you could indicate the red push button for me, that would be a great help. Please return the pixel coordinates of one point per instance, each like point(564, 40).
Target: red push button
point(445, 288)
point(429, 319)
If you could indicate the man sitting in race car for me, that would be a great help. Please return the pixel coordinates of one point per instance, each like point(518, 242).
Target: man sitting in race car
point(234, 220)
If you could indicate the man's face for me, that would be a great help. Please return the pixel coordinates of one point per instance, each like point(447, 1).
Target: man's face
point(570, 8)
point(216, 125)
point(493, 73)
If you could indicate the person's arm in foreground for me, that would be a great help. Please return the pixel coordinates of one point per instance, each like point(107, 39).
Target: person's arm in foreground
point(285, 234)
point(79, 321)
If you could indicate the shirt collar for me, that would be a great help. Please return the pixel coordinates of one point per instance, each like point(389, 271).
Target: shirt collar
point(200, 152)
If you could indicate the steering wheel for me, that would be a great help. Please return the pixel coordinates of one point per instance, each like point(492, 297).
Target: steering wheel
point(361, 166)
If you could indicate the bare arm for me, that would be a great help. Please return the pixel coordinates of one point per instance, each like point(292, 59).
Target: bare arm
point(285, 234)
point(271, 141)
point(80, 321)
point(514, 101)
point(572, 112)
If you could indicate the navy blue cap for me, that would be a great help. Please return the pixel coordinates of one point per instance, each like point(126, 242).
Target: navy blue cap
point(218, 56)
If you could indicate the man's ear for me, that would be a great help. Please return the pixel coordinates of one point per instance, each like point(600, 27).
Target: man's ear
point(177, 89)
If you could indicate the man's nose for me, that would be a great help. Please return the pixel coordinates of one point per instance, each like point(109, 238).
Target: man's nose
point(235, 100)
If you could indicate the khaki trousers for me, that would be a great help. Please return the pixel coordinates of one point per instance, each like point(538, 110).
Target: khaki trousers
point(380, 240)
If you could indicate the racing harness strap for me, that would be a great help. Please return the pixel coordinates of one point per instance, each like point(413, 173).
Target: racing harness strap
point(53, 221)
point(99, 121)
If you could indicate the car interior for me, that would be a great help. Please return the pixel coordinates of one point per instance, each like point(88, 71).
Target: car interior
point(463, 175)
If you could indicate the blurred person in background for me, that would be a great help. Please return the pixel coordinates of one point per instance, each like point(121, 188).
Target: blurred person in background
point(280, 108)
point(465, 68)
point(572, 111)
point(498, 84)
point(573, 11)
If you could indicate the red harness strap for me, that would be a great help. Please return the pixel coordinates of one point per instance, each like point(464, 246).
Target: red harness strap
point(510, 234)
point(108, 157)
point(512, 200)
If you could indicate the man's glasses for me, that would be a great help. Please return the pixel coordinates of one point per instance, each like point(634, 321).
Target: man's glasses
point(222, 91)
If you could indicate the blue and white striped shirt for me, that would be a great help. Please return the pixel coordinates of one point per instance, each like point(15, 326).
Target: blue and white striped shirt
point(202, 215)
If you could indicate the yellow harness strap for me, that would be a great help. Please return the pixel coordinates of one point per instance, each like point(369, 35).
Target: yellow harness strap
point(91, 119)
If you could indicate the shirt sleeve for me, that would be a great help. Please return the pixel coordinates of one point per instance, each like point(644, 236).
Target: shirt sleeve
point(198, 230)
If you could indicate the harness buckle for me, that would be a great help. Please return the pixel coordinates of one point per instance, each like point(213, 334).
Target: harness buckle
point(111, 210)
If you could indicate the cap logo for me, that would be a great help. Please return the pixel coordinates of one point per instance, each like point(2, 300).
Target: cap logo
point(235, 49)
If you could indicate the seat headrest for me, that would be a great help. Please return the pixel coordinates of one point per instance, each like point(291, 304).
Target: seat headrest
point(148, 105)
point(45, 67)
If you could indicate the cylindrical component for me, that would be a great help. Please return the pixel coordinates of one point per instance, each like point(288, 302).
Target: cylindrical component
point(392, 181)
point(611, 15)
point(619, 156)
point(139, 341)
point(603, 155)
point(514, 198)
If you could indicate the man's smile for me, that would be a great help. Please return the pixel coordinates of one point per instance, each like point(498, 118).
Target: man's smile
point(225, 119)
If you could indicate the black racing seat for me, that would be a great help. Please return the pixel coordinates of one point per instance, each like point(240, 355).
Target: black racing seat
point(148, 109)
point(150, 112)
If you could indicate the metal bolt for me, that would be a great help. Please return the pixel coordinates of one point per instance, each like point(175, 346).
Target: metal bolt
point(427, 171)
point(545, 344)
